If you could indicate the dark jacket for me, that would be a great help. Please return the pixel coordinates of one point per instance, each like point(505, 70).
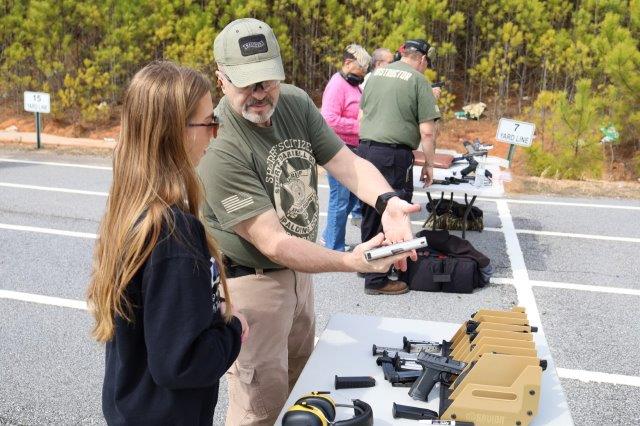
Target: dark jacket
point(164, 367)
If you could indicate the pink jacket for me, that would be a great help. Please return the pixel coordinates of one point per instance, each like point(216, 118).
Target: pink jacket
point(340, 107)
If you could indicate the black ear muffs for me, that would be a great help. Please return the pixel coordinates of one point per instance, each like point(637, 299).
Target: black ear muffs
point(363, 415)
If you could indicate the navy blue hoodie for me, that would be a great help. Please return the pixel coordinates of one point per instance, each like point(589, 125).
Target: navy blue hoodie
point(164, 367)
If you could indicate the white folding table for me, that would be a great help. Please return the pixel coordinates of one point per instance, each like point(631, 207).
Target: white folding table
point(344, 349)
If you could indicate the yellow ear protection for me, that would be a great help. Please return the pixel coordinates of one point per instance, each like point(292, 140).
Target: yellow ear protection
point(319, 409)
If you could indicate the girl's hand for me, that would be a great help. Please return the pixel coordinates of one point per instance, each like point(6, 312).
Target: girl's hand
point(243, 320)
point(245, 325)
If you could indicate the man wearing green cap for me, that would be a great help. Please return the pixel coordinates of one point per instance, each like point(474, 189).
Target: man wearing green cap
point(260, 178)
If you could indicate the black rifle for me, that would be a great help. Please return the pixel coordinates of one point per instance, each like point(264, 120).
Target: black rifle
point(455, 181)
point(440, 182)
point(474, 149)
point(435, 369)
point(471, 168)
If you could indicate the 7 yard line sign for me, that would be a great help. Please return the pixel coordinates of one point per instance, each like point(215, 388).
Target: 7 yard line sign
point(37, 102)
point(515, 133)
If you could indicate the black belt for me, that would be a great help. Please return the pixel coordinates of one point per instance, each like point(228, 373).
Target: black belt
point(387, 145)
point(236, 271)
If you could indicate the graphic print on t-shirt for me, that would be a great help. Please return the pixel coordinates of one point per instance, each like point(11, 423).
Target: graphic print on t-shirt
point(215, 285)
point(290, 166)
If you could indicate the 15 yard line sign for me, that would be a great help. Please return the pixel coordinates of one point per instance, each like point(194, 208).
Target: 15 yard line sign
point(37, 102)
point(40, 103)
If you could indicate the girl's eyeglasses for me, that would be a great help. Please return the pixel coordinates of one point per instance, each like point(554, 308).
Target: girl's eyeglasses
point(213, 126)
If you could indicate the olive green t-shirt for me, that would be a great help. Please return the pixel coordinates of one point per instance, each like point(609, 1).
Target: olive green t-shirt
point(396, 99)
point(250, 169)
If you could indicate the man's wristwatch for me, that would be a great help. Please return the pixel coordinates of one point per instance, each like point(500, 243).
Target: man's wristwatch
point(381, 202)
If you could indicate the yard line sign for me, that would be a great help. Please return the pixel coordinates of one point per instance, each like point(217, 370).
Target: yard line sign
point(40, 103)
point(515, 132)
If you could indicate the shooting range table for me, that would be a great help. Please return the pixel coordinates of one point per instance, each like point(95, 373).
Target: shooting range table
point(344, 349)
point(495, 190)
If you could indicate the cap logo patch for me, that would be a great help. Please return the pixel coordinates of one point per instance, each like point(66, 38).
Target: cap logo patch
point(253, 44)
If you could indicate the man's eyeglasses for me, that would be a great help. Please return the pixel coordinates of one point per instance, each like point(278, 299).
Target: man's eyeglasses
point(213, 126)
point(265, 85)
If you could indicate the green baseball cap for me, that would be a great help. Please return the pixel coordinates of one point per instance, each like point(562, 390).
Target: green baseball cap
point(249, 52)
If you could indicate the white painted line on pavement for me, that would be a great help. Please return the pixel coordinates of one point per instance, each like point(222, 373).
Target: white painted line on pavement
point(572, 286)
point(522, 285)
point(585, 236)
point(324, 214)
point(53, 189)
point(594, 376)
point(565, 373)
point(518, 266)
point(420, 223)
point(567, 204)
point(424, 194)
point(51, 163)
point(416, 193)
point(538, 202)
point(44, 300)
point(47, 231)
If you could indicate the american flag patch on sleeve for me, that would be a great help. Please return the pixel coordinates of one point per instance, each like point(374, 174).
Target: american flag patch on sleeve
point(236, 202)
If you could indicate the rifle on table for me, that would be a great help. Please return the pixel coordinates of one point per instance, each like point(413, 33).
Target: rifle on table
point(474, 149)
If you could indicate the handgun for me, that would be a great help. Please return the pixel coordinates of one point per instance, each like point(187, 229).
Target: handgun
point(395, 377)
point(435, 369)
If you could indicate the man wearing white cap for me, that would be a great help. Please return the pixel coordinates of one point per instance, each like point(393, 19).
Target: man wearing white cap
point(260, 178)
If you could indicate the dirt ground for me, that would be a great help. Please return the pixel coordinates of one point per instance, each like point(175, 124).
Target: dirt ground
point(25, 122)
point(450, 136)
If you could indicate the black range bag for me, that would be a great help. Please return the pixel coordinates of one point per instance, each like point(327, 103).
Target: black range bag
point(448, 264)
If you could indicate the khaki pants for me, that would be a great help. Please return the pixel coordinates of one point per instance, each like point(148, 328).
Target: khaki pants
point(279, 309)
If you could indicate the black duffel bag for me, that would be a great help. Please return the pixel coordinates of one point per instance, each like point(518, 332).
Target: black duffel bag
point(455, 267)
point(434, 271)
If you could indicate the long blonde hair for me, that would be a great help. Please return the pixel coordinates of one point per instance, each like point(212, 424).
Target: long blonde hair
point(151, 172)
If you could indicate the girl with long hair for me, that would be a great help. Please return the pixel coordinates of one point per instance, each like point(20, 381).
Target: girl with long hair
point(155, 287)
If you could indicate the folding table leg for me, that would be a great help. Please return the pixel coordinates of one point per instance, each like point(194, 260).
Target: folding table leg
point(433, 212)
point(466, 213)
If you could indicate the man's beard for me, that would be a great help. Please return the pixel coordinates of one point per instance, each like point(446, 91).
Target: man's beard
point(258, 118)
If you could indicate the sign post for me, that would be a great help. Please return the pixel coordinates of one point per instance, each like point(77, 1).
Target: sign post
point(39, 103)
point(515, 133)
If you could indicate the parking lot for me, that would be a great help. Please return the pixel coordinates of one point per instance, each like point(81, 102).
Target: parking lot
point(573, 263)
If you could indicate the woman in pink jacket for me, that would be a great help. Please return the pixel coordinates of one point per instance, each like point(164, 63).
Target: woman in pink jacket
point(340, 107)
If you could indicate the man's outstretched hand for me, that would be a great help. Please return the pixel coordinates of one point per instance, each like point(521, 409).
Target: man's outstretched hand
point(396, 225)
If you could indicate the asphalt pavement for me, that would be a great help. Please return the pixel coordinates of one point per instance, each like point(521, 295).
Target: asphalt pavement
point(579, 257)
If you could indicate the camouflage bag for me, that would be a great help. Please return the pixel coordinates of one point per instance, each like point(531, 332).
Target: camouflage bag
point(449, 216)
